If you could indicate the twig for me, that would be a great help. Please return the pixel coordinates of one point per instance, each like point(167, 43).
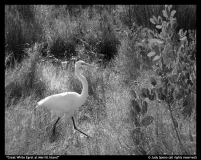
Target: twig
point(175, 126)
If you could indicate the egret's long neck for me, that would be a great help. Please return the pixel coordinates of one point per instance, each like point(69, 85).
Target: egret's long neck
point(84, 94)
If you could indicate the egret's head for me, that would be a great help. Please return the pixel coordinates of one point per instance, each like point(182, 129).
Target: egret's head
point(81, 63)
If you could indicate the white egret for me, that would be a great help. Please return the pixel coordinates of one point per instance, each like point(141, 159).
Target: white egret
point(68, 102)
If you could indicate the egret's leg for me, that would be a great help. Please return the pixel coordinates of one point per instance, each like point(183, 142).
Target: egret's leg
point(76, 127)
point(55, 124)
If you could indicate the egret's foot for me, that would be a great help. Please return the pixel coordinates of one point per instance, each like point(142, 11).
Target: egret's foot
point(82, 132)
point(78, 129)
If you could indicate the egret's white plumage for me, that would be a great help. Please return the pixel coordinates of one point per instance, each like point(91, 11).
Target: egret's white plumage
point(68, 102)
point(61, 103)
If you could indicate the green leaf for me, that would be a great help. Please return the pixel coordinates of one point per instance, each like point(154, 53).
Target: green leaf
point(180, 32)
point(164, 23)
point(134, 103)
point(152, 96)
point(185, 33)
point(158, 41)
point(158, 72)
point(145, 92)
point(136, 106)
point(156, 58)
point(144, 107)
point(161, 96)
point(165, 14)
point(156, 49)
point(183, 38)
point(164, 91)
point(174, 24)
point(164, 32)
point(146, 121)
point(153, 81)
point(144, 44)
point(169, 7)
point(154, 40)
point(139, 44)
point(133, 93)
point(159, 26)
point(152, 21)
point(151, 32)
point(155, 19)
point(175, 122)
point(150, 54)
point(160, 20)
point(173, 13)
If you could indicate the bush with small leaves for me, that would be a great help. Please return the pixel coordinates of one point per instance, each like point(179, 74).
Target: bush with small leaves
point(174, 58)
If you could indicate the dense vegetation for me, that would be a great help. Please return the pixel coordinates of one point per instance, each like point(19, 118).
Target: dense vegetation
point(142, 94)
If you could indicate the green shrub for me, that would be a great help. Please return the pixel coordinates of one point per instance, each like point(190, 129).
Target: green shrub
point(175, 58)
